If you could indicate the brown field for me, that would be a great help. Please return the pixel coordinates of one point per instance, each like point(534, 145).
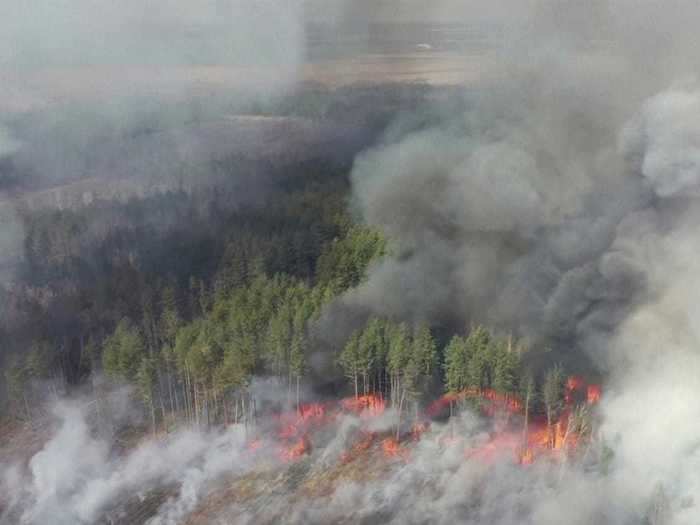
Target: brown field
point(431, 68)
point(26, 90)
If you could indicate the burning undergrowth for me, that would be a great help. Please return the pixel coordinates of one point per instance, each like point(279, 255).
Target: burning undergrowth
point(375, 470)
point(317, 452)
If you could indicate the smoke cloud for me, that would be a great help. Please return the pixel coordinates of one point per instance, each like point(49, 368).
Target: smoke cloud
point(77, 478)
point(506, 209)
point(559, 205)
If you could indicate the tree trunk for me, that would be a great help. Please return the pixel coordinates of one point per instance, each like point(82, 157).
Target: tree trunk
point(216, 405)
point(162, 401)
point(153, 416)
point(187, 394)
point(196, 405)
point(170, 391)
point(255, 413)
point(398, 421)
point(526, 423)
point(26, 407)
point(225, 406)
point(206, 407)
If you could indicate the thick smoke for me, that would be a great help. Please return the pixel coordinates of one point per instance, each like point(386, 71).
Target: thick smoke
point(505, 212)
point(642, 466)
point(560, 205)
point(663, 141)
point(77, 478)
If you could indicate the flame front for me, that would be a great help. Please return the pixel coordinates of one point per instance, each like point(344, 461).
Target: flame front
point(510, 437)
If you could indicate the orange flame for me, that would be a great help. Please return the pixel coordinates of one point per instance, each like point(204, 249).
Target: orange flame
point(573, 384)
point(297, 450)
point(391, 447)
point(527, 456)
point(593, 394)
point(526, 446)
point(494, 402)
point(366, 406)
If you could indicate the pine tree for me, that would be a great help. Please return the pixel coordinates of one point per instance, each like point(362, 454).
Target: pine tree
point(369, 345)
point(277, 342)
point(424, 351)
point(123, 351)
point(419, 368)
point(16, 378)
point(398, 355)
point(145, 382)
point(552, 396)
point(478, 346)
point(506, 363)
point(456, 365)
point(527, 393)
point(297, 361)
point(170, 320)
point(349, 360)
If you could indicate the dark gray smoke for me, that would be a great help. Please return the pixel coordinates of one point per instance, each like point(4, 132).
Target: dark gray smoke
point(507, 211)
point(559, 205)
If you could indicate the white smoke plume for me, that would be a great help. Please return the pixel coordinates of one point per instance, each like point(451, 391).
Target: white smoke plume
point(667, 134)
point(77, 478)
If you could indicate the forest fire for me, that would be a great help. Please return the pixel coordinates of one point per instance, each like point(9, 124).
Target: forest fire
point(525, 438)
point(573, 384)
point(362, 444)
point(490, 402)
point(299, 422)
point(533, 439)
point(593, 394)
point(393, 449)
point(366, 406)
point(296, 450)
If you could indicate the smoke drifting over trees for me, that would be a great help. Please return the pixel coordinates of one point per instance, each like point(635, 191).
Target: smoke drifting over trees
point(554, 202)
